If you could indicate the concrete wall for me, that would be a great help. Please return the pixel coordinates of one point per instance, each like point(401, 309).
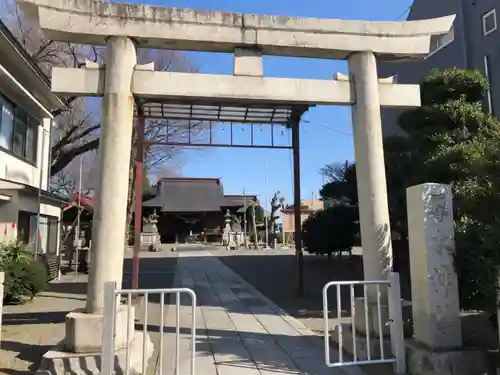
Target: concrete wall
point(480, 45)
point(315, 204)
point(9, 211)
point(13, 168)
point(8, 217)
point(454, 54)
point(25, 86)
point(289, 220)
point(289, 217)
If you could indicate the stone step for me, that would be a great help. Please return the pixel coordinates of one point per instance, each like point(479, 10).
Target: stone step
point(59, 362)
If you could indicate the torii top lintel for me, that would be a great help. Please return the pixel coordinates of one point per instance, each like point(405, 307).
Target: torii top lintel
point(92, 22)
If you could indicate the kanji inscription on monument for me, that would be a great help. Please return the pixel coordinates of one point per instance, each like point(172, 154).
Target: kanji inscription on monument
point(435, 303)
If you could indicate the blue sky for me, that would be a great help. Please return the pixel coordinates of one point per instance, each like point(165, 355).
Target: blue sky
point(325, 132)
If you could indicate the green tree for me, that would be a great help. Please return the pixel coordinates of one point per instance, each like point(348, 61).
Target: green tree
point(341, 185)
point(336, 229)
point(398, 161)
point(331, 231)
point(452, 140)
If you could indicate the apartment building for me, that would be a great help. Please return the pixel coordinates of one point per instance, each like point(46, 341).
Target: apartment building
point(26, 102)
point(472, 44)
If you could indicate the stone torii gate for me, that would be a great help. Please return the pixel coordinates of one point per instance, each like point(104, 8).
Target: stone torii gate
point(124, 27)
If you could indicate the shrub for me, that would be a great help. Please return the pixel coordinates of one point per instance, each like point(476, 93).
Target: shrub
point(331, 231)
point(25, 276)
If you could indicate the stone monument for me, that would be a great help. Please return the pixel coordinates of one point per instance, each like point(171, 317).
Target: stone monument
point(435, 305)
point(149, 234)
point(239, 239)
point(436, 347)
point(228, 235)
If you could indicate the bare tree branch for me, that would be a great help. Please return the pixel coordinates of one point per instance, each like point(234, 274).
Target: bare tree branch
point(77, 130)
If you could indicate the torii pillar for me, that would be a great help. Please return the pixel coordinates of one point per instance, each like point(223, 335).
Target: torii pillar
point(370, 167)
point(374, 220)
point(83, 329)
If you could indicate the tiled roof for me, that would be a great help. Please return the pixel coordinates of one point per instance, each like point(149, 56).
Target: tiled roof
point(237, 200)
point(188, 195)
point(179, 194)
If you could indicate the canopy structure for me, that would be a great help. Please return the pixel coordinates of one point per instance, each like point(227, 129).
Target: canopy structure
point(220, 112)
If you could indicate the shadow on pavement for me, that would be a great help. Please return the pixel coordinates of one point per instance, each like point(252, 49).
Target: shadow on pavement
point(272, 274)
point(24, 352)
point(275, 277)
point(51, 317)
point(69, 287)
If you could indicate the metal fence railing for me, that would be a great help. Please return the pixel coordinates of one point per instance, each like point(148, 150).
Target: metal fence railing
point(394, 321)
point(2, 281)
point(112, 298)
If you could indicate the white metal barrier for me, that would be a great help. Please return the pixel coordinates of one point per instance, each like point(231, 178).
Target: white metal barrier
point(395, 323)
point(113, 296)
point(2, 286)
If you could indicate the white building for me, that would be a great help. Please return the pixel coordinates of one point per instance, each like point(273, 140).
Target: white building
point(26, 102)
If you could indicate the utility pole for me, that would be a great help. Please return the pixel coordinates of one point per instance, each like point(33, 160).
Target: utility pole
point(254, 225)
point(139, 170)
point(79, 210)
point(39, 197)
point(244, 218)
point(297, 207)
point(266, 222)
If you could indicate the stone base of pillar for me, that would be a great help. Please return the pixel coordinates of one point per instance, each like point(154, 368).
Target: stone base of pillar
point(348, 339)
point(59, 362)
point(419, 359)
point(423, 361)
point(359, 320)
point(360, 324)
point(84, 331)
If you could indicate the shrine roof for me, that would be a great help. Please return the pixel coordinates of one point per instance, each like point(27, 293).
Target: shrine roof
point(181, 194)
point(237, 200)
point(188, 195)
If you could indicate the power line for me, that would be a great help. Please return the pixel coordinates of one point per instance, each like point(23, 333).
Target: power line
point(335, 130)
point(330, 129)
point(290, 161)
point(404, 11)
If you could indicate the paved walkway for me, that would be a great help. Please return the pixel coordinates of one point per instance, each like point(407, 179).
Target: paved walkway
point(29, 330)
point(238, 330)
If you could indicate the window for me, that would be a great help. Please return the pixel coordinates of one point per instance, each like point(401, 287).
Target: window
point(18, 131)
point(6, 124)
point(441, 41)
point(27, 231)
point(488, 77)
point(31, 140)
point(489, 22)
point(20, 128)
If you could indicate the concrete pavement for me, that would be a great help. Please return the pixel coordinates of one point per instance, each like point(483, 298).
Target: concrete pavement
point(238, 330)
